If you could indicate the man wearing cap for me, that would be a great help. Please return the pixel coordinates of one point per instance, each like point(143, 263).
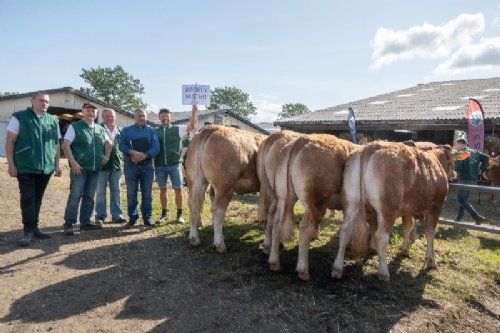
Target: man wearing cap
point(110, 173)
point(87, 148)
point(467, 171)
point(32, 150)
point(167, 162)
point(139, 145)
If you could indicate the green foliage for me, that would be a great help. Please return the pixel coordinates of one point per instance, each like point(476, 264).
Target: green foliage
point(293, 109)
point(7, 93)
point(233, 99)
point(114, 86)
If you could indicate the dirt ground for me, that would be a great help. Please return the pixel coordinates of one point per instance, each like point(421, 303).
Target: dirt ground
point(144, 280)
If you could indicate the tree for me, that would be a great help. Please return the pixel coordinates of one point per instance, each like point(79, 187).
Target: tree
point(7, 93)
point(233, 99)
point(114, 86)
point(293, 109)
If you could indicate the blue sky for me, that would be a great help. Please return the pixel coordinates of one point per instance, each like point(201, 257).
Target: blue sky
point(320, 53)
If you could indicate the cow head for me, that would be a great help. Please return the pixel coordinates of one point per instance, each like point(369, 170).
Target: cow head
point(447, 159)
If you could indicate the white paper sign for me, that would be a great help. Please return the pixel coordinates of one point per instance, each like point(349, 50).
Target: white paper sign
point(195, 94)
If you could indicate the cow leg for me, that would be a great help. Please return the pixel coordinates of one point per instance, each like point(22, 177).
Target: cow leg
point(219, 206)
point(372, 222)
point(408, 225)
point(266, 244)
point(430, 229)
point(308, 226)
point(274, 255)
point(196, 200)
point(350, 217)
point(385, 224)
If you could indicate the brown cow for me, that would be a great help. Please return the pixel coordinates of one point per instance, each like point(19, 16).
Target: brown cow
point(392, 180)
point(225, 158)
point(310, 170)
point(267, 161)
point(492, 173)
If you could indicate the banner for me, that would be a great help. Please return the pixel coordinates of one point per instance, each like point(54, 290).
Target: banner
point(195, 94)
point(475, 125)
point(351, 122)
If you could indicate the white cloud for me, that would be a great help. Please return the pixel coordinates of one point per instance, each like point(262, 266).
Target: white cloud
point(484, 55)
point(268, 108)
point(426, 41)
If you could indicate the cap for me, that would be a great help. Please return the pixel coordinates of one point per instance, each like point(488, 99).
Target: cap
point(88, 105)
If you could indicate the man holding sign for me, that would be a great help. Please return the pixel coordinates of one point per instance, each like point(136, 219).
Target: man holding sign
point(167, 162)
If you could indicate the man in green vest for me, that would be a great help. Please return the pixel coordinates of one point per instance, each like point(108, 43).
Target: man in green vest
point(32, 150)
point(87, 148)
point(167, 162)
point(110, 173)
point(467, 170)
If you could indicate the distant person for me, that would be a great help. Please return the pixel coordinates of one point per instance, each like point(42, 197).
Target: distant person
point(363, 141)
point(139, 144)
point(87, 147)
point(32, 150)
point(167, 162)
point(467, 171)
point(110, 174)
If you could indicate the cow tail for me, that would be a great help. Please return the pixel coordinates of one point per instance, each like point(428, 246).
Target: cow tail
point(360, 239)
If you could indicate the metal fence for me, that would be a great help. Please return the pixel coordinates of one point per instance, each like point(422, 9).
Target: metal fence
point(489, 204)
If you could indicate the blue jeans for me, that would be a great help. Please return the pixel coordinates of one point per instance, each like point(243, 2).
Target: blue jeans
point(113, 178)
point(82, 188)
point(462, 197)
point(163, 173)
point(135, 176)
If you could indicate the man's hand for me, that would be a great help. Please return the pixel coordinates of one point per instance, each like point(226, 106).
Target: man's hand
point(57, 171)
point(105, 160)
point(76, 169)
point(12, 170)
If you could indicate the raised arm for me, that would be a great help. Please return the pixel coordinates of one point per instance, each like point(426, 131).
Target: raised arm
point(194, 119)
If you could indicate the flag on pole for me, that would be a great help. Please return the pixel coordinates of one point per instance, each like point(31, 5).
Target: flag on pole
point(351, 122)
point(475, 125)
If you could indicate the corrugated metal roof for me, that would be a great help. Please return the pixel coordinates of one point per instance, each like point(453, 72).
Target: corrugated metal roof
point(434, 101)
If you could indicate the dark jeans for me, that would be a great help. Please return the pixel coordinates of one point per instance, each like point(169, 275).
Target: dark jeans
point(135, 176)
point(82, 188)
point(462, 197)
point(31, 189)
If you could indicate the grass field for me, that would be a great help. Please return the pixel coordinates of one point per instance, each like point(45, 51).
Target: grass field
point(463, 289)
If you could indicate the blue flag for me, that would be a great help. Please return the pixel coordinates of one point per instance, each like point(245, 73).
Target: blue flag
point(351, 121)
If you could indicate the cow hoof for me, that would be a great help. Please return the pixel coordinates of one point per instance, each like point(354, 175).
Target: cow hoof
point(275, 267)
point(405, 253)
point(383, 277)
point(264, 248)
point(431, 264)
point(221, 248)
point(304, 276)
point(337, 274)
point(194, 241)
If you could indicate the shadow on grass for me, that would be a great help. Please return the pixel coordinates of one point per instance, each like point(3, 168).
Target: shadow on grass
point(10, 242)
point(197, 290)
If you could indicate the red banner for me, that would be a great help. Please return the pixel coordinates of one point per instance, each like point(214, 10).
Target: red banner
point(475, 125)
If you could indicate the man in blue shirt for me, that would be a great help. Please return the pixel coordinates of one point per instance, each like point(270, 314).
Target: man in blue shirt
point(139, 145)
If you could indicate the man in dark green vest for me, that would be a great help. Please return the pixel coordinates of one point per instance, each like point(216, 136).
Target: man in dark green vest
point(468, 169)
point(32, 149)
point(87, 148)
point(111, 174)
point(167, 162)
